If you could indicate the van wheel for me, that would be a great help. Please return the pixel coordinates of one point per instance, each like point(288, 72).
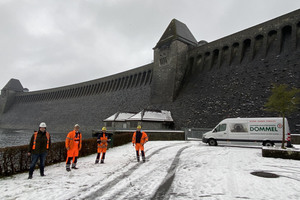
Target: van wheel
point(212, 142)
point(268, 144)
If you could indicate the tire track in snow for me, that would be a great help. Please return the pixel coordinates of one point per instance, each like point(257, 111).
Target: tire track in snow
point(170, 173)
point(163, 192)
point(120, 192)
point(100, 181)
point(100, 191)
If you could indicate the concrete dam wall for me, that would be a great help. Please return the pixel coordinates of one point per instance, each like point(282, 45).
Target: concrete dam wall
point(200, 83)
point(86, 104)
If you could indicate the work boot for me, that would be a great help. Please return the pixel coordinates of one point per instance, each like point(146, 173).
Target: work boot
point(96, 161)
point(42, 172)
point(68, 168)
point(102, 161)
point(143, 156)
point(30, 174)
point(74, 166)
point(138, 156)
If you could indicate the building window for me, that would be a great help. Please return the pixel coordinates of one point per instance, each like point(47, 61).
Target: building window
point(133, 124)
point(163, 61)
point(109, 124)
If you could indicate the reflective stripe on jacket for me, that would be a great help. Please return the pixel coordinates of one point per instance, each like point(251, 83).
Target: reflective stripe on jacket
point(139, 137)
point(35, 136)
point(102, 140)
point(73, 142)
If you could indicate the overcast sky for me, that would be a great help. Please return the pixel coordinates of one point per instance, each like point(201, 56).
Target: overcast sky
point(53, 43)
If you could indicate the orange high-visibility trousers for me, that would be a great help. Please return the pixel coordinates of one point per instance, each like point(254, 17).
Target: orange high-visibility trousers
point(72, 153)
point(102, 147)
point(101, 150)
point(139, 146)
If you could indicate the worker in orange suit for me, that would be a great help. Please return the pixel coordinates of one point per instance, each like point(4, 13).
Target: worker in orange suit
point(139, 138)
point(73, 145)
point(102, 142)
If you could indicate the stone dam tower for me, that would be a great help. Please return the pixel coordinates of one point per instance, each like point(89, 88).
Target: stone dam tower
point(200, 83)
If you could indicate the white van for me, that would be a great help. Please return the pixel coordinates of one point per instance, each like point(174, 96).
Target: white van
point(266, 131)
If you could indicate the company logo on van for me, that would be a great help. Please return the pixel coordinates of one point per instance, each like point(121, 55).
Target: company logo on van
point(264, 128)
point(279, 125)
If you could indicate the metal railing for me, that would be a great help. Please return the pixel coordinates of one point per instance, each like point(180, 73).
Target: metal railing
point(195, 133)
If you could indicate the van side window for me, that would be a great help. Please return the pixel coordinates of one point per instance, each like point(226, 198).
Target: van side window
point(221, 127)
point(238, 127)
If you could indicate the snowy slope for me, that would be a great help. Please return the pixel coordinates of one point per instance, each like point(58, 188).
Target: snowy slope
point(174, 170)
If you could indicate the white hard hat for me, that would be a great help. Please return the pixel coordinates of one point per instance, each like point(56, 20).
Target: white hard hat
point(43, 125)
point(76, 125)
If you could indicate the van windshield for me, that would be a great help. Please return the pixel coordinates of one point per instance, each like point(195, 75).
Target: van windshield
point(221, 127)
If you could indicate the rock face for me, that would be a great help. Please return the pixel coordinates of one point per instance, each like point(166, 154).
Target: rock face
point(200, 83)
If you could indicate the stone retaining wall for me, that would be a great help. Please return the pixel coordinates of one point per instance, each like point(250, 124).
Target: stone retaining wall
point(281, 153)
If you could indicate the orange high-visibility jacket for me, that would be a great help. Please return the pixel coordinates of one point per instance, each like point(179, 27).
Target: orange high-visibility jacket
point(102, 141)
point(143, 139)
point(72, 142)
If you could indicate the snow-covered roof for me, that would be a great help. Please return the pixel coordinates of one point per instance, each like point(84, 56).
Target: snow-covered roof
point(149, 115)
point(144, 115)
point(111, 118)
point(124, 116)
point(119, 117)
point(136, 117)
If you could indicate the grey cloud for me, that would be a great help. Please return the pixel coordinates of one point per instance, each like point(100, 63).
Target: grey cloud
point(52, 43)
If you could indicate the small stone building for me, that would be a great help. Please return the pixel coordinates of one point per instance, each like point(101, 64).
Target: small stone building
point(118, 121)
point(148, 119)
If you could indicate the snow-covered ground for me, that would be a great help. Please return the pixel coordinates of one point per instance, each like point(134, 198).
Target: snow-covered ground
point(174, 170)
